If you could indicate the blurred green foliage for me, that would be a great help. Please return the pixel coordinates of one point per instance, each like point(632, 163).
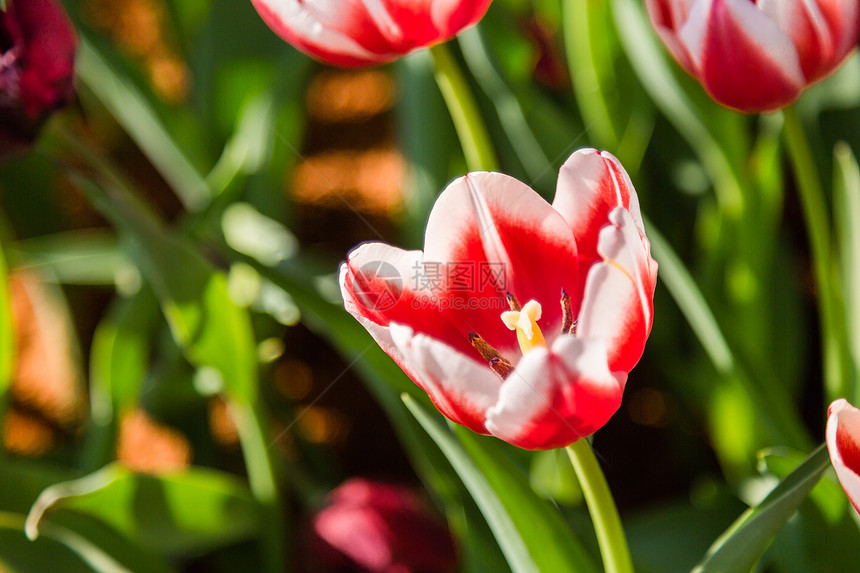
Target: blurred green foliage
point(175, 176)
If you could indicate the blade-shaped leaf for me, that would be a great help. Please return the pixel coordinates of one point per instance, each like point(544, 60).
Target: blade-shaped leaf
point(212, 330)
point(177, 513)
point(532, 536)
point(742, 544)
point(77, 257)
point(142, 123)
point(7, 343)
point(119, 359)
point(847, 218)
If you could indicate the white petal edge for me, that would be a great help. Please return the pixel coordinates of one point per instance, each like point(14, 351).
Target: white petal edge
point(847, 477)
point(529, 391)
point(308, 22)
point(453, 380)
point(756, 25)
point(609, 283)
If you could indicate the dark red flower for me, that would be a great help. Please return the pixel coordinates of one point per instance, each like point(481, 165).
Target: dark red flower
point(37, 57)
point(370, 526)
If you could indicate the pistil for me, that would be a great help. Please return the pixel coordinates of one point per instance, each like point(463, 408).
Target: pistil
point(525, 323)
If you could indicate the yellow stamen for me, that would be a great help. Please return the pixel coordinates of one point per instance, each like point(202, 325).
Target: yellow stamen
point(525, 323)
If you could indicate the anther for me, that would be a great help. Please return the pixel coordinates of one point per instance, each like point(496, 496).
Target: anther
point(513, 303)
point(568, 323)
point(499, 365)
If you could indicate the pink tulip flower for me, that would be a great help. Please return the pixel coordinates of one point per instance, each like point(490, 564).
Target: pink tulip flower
point(757, 55)
point(380, 528)
point(366, 32)
point(519, 319)
point(843, 442)
point(37, 55)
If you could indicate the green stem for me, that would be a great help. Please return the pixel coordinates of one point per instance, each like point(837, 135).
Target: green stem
point(818, 228)
point(464, 111)
point(601, 506)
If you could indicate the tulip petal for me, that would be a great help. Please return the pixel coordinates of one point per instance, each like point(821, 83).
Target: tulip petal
point(318, 28)
point(667, 17)
point(744, 60)
point(555, 397)
point(362, 32)
point(491, 221)
point(618, 302)
point(809, 31)
point(843, 442)
point(592, 183)
point(461, 388)
point(382, 284)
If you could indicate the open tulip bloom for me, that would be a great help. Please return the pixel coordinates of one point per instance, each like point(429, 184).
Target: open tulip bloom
point(519, 318)
point(365, 32)
point(757, 56)
point(843, 442)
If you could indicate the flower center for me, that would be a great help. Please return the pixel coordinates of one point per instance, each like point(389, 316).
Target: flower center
point(524, 321)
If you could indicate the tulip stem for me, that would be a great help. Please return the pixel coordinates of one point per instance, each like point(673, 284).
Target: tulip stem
point(601, 506)
point(814, 206)
point(464, 111)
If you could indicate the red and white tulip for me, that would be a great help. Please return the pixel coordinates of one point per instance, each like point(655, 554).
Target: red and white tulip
point(519, 318)
point(843, 442)
point(365, 32)
point(757, 55)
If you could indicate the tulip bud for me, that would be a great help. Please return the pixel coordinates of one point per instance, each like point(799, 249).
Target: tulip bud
point(37, 52)
point(366, 32)
point(369, 526)
point(757, 55)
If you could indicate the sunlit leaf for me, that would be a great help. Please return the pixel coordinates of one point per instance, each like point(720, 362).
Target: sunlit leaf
point(177, 513)
point(7, 342)
point(743, 543)
point(530, 532)
point(77, 257)
point(142, 123)
point(213, 331)
point(847, 219)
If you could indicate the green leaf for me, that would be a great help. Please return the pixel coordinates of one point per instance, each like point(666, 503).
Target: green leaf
point(827, 493)
point(119, 357)
point(650, 62)
point(58, 550)
point(553, 477)
point(532, 535)
point(743, 543)
point(212, 331)
point(119, 361)
point(7, 338)
point(179, 513)
point(847, 218)
point(774, 408)
point(77, 257)
point(386, 381)
point(131, 109)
